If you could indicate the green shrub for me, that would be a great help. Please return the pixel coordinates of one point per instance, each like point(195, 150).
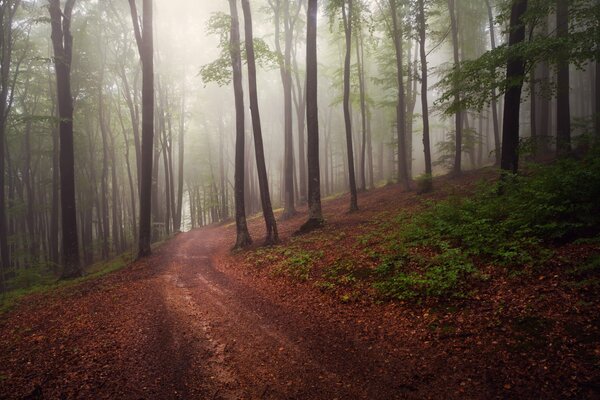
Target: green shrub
point(555, 203)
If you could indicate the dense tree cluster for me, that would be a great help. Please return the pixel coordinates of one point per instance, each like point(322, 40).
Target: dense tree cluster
point(109, 141)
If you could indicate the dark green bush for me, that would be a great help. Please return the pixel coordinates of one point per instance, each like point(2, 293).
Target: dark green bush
point(550, 204)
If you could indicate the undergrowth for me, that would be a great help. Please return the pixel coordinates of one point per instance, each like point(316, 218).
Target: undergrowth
point(42, 280)
point(511, 223)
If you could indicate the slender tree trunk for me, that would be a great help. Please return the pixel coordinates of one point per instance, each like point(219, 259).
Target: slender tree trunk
point(132, 187)
point(145, 42)
point(315, 214)
point(363, 109)
point(180, 161)
point(458, 124)
point(424, 100)
point(8, 10)
point(515, 71)
point(265, 196)
point(403, 177)
point(347, 15)
point(563, 108)
point(54, 213)
point(597, 110)
point(104, 212)
point(495, 123)
point(533, 112)
point(62, 41)
point(243, 236)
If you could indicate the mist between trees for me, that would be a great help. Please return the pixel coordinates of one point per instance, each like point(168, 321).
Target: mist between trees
point(122, 123)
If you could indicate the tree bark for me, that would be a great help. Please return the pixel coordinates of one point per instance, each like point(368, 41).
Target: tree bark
point(403, 177)
point(515, 71)
point(243, 236)
point(315, 214)
point(8, 10)
point(265, 196)
point(347, 19)
point(62, 42)
point(495, 123)
point(145, 42)
point(563, 108)
point(180, 160)
point(424, 100)
point(458, 123)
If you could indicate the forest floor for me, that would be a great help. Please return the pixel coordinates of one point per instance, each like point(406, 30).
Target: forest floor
point(194, 321)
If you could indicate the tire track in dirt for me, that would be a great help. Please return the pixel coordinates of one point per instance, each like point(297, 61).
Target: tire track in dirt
point(255, 348)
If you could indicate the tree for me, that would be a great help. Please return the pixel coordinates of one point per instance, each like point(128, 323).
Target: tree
point(7, 14)
point(243, 236)
point(281, 10)
point(403, 177)
point(515, 74)
point(271, 225)
point(495, 124)
point(62, 43)
point(563, 109)
point(422, 23)
point(347, 15)
point(458, 120)
point(145, 42)
point(315, 215)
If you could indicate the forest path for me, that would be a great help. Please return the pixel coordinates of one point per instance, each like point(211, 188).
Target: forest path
point(250, 346)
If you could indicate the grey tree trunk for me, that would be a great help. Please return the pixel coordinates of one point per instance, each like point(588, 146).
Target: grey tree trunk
point(424, 100)
point(347, 19)
point(563, 108)
point(62, 42)
point(515, 71)
point(243, 236)
point(265, 196)
point(145, 42)
point(458, 123)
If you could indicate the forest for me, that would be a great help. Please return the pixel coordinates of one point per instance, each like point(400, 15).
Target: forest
point(308, 199)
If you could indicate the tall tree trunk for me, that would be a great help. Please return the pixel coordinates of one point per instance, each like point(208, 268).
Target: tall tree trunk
point(145, 42)
point(62, 42)
point(533, 112)
point(132, 187)
point(9, 9)
point(54, 213)
point(104, 211)
point(403, 177)
point(243, 236)
point(315, 214)
point(180, 160)
point(363, 108)
point(597, 109)
point(301, 120)
point(424, 100)
point(563, 108)
point(458, 124)
point(265, 196)
point(495, 123)
point(515, 71)
point(347, 15)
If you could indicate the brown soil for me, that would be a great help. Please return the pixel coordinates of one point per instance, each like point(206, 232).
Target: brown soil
point(195, 322)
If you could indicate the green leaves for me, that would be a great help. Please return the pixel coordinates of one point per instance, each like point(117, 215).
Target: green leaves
point(219, 71)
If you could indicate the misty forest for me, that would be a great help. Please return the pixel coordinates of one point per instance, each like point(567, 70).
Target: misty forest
point(299, 199)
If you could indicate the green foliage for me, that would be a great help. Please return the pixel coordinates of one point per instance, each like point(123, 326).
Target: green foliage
point(39, 279)
point(554, 203)
point(219, 71)
point(404, 277)
point(475, 79)
point(295, 262)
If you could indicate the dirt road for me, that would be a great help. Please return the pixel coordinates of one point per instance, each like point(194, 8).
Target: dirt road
point(250, 346)
point(194, 322)
point(178, 327)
